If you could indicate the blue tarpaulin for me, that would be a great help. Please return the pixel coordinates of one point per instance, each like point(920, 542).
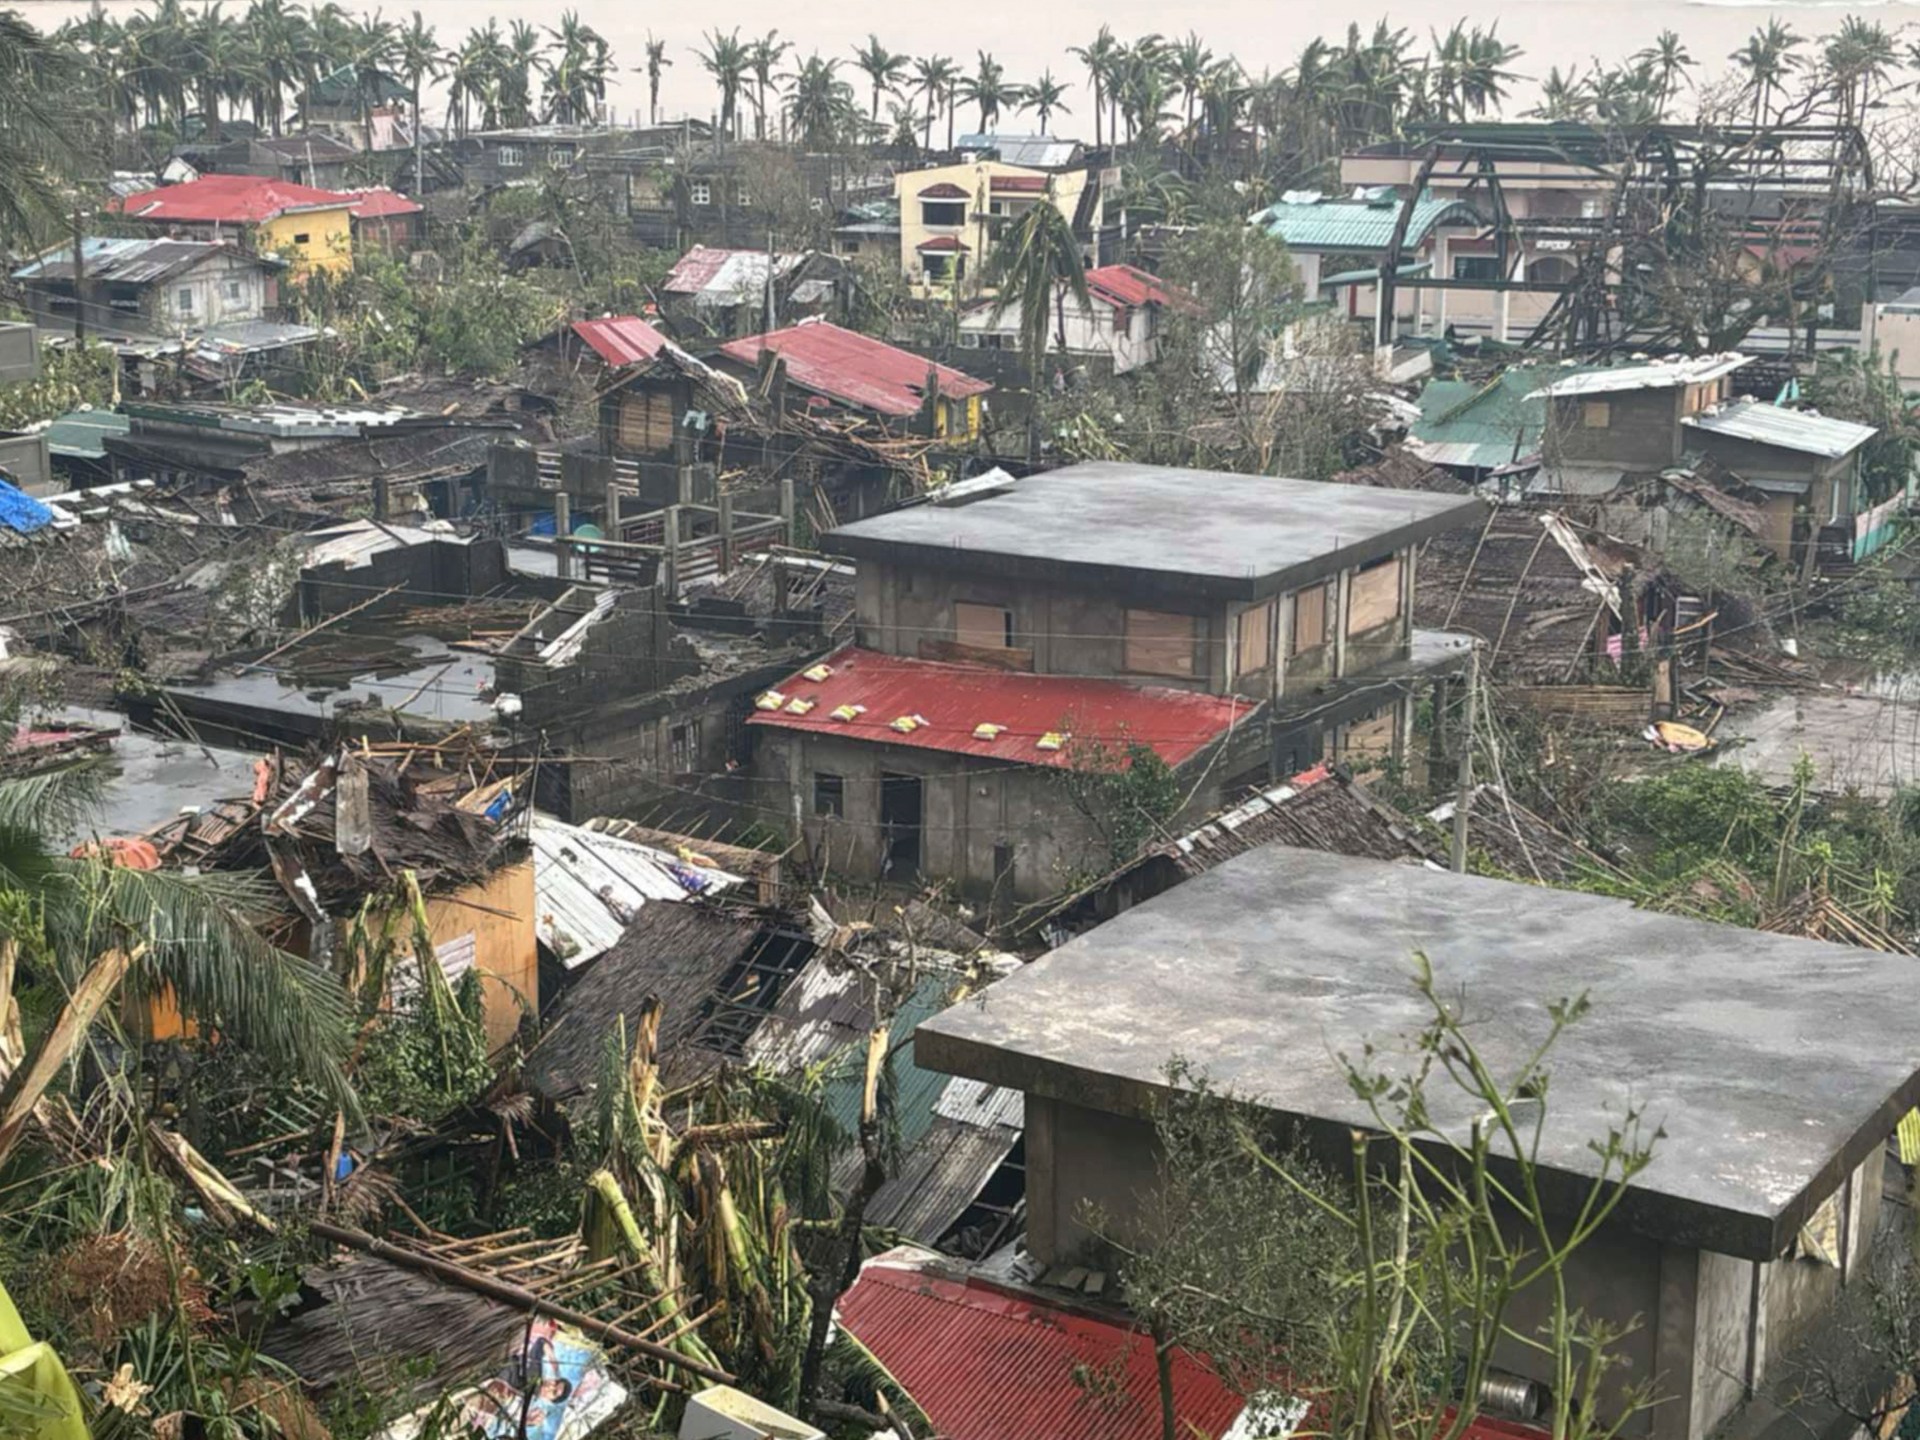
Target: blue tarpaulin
point(20, 511)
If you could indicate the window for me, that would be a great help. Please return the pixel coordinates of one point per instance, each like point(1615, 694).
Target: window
point(1476, 267)
point(740, 196)
point(943, 214)
point(1253, 639)
point(1158, 643)
point(1596, 415)
point(1375, 597)
point(938, 267)
point(303, 238)
point(558, 155)
point(511, 157)
point(969, 340)
point(829, 794)
point(233, 291)
point(1309, 619)
point(700, 192)
point(183, 301)
point(683, 743)
point(985, 627)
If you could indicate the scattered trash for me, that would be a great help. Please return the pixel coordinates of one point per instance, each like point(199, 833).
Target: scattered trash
point(1678, 739)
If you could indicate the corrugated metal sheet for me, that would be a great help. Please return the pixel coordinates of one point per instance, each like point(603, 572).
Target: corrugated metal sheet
point(1658, 375)
point(990, 1364)
point(725, 277)
point(621, 339)
point(939, 1178)
point(80, 434)
point(1482, 425)
point(975, 1102)
point(229, 200)
point(129, 261)
point(1356, 224)
point(589, 886)
point(1798, 430)
point(955, 699)
point(914, 1091)
point(853, 368)
point(1125, 285)
point(357, 542)
point(1039, 152)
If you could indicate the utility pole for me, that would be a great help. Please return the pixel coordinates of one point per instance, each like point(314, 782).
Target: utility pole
point(1464, 798)
point(79, 278)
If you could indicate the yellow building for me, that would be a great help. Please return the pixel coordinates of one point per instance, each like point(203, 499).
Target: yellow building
point(952, 215)
point(310, 229)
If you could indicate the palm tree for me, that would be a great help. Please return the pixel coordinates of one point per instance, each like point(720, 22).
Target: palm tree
point(657, 61)
point(987, 87)
point(1045, 98)
point(726, 60)
point(1766, 59)
point(1562, 97)
point(1188, 63)
point(1855, 58)
point(279, 37)
point(111, 932)
point(1669, 61)
point(473, 78)
point(576, 74)
point(40, 135)
point(1040, 260)
point(820, 106)
point(884, 69)
point(765, 53)
point(1098, 58)
point(517, 71)
point(933, 81)
point(420, 57)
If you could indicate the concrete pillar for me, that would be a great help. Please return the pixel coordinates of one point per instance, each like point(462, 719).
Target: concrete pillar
point(670, 557)
point(786, 506)
point(726, 532)
point(562, 535)
point(613, 510)
point(382, 497)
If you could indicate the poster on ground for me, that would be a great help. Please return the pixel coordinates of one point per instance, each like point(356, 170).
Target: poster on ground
point(554, 1385)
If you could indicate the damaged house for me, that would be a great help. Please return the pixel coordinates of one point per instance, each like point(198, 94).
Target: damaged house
point(1012, 633)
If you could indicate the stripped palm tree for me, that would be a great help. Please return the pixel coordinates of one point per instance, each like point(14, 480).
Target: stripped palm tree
point(1046, 98)
point(657, 62)
point(1098, 58)
point(882, 67)
point(104, 933)
point(1040, 264)
point(933, 81)
point(762, 56)
point(727, 60)
point(420, 58)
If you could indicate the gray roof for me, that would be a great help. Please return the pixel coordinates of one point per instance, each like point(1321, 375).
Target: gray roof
point(128, 260)
point(1655, 375)
point(1039, 152)
point(1775, 1065)
point(1202, 531)
point(1799, 430)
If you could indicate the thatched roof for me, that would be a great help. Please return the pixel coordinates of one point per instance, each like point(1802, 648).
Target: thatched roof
point(373, 1324)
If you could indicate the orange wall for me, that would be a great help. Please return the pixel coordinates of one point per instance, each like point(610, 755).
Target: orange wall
point(506, 948)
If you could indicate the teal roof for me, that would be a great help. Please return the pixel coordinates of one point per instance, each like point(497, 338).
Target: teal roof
point(914, 1090)
point(1358, 224)
point(342, 87)
point(1481, 423)
point(81, 434)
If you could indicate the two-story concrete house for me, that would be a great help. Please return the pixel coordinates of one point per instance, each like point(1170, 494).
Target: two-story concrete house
point(1728, 1250)
point(1012, 630)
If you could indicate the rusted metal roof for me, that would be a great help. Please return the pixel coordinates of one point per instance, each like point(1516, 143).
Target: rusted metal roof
point(854, 369)
point(949, 703)
point(729, 275)
point(987, 1363)
point(621, 339)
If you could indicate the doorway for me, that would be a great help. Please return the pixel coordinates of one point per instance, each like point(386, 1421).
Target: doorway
point(900, 821)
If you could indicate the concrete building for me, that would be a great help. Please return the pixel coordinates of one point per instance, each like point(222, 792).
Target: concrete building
point(1776, 1067)
point(1118, 329)
point(133, 287)
point(1008, 631)
point(310, 229)
point(1338, 246)
point(951, 216)
point(24, 460)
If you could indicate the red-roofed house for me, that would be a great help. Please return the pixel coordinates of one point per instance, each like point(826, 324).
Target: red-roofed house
point(311, 229)
point(1121, 323)
point(844, 368)
point(1012, 634)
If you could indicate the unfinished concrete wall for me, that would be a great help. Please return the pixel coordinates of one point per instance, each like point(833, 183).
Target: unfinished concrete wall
point(1082, 1161)
point(627, 652)
point(426, 573)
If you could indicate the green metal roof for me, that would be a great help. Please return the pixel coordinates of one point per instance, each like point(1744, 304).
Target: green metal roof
point(914, 1090)
point(81, 434)
point(1481, 423)
point(1359, 224)
point(343, 87)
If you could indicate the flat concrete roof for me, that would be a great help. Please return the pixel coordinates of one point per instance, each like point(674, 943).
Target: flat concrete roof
point(1775, 1065)
point(1237, 537)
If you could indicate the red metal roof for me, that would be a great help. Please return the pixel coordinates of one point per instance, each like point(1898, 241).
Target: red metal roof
point(1125, 285)
point(228, 200)
point(942, 242)
point(989, 1364)
point(621, 339)
point(955, 699)
point(377, 202)
point(945, 190)
point(1020, 184)
point(854, 369)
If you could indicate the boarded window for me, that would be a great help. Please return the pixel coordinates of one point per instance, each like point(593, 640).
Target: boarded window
point(1158, 643)
point(1375, 597)
point(987, 627)
point(1309, 619)
point(645, 423)
point(1253, 639)
point(829, 793)
point(1596, 415)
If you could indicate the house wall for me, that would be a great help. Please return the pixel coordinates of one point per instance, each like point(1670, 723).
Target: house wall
point(328, 244)
point(976, 179)
point(218, 289)
point(1830, 490)
point(19, 352)
point(1641, 431)
point(499, 913)
point(1129, 337)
